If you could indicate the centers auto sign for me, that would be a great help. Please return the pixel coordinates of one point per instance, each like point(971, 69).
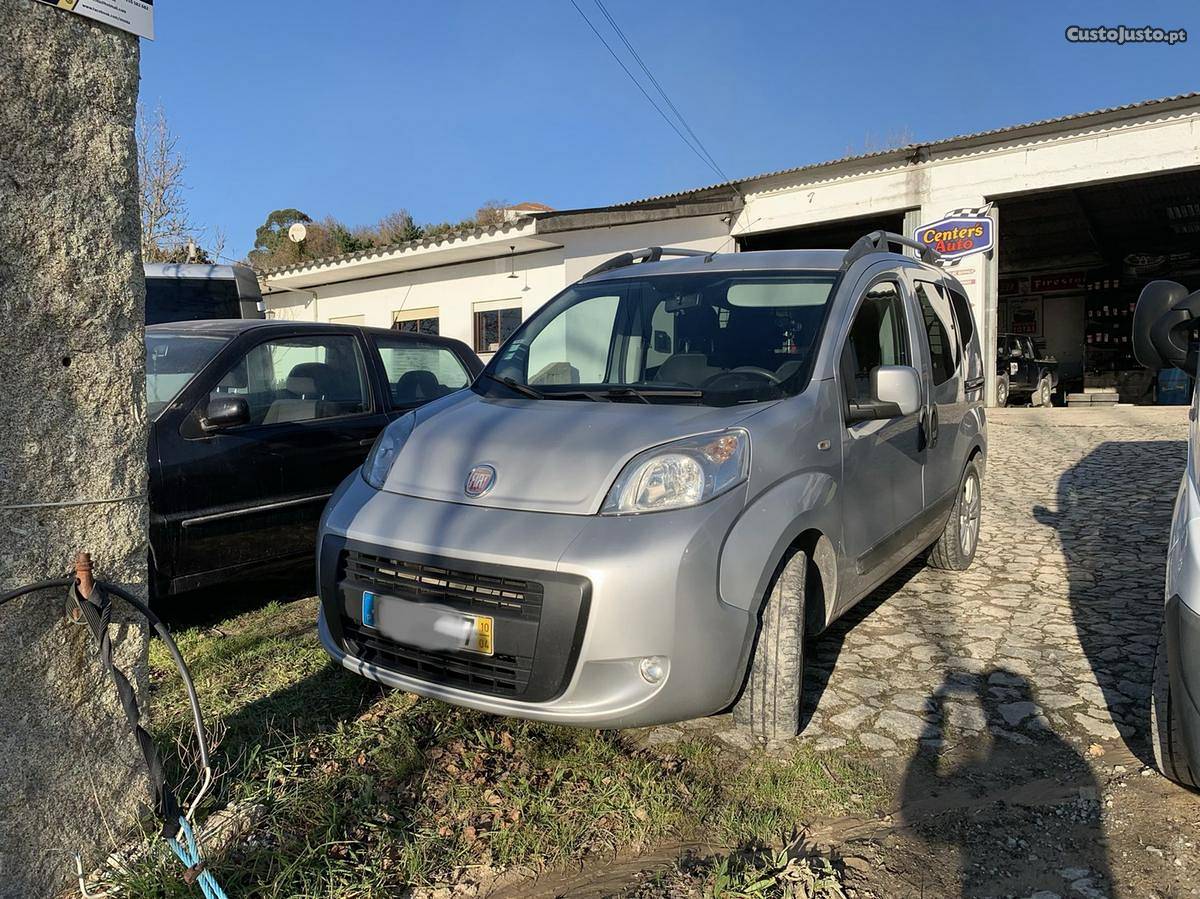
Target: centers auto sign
point(128, 15)
point(963, 232)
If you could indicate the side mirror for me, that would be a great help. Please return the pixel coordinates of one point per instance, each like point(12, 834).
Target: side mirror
point(224, 411)
point(896, 390)
point(662, 342)
point(1162, 324)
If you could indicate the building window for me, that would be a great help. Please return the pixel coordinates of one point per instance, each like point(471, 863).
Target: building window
point(493, 327)
point(417, 321)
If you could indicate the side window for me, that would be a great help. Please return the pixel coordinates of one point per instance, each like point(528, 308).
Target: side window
point(418, 372)
point(943, 344)
point(962, 315)
point(877, 337)
point(662, 337)
point(300, 379)
point(582, 335)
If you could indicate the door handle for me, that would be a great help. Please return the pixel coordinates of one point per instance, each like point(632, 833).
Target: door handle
point(369, 441)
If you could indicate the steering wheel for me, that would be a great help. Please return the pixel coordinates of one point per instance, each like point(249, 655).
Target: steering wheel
point(766, 374)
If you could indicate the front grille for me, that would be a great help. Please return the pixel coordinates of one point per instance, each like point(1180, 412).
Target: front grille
point(428, 583)
point(498, 675)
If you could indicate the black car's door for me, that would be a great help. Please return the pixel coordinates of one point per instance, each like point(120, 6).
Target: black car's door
point(252, 493)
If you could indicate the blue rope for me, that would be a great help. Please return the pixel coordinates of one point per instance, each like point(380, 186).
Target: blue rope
point(191, 858)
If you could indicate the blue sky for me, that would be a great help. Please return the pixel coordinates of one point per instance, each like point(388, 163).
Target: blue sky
point(359, 108)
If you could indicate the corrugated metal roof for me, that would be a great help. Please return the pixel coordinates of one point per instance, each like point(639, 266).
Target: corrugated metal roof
point(447, 238)
point(909, 149)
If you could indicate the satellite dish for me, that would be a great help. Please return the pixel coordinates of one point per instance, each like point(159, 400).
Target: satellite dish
point(297, 232)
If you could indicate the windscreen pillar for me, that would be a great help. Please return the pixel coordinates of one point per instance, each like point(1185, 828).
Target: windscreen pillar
point(72, 432)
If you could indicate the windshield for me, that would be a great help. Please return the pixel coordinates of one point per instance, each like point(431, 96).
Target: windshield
point(171, 361)
point(716, 338)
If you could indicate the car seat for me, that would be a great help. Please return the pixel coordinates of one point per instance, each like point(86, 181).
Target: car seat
point(417, 386)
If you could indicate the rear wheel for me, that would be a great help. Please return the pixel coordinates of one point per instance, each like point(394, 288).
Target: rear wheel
point(1165, 738)
point(955, 549)
point(770, 703)
point(1002, 391)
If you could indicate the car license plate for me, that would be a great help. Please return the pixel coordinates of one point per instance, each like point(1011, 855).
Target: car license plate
point(428, 626)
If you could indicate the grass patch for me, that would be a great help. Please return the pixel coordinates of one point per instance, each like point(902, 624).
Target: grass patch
point(358, 791)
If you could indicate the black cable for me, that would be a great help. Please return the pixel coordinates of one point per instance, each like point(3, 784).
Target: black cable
point(56, 583)
point(645, 94)
point(679, 115)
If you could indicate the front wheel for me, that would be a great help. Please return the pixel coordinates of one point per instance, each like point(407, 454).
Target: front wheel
point(1169, 755)
point(955, 549)
point(770, 703)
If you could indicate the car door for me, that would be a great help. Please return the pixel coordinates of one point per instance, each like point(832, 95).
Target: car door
point(881, 459)
point(945, 398)
point(324, 425)
point(260, 486)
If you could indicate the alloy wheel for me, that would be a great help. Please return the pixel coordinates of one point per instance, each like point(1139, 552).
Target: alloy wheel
point(969, 505)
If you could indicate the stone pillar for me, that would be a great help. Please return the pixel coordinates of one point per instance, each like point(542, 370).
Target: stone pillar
point(72, 430)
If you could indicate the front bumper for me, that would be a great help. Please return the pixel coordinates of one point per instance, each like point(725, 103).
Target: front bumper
point(616, 590)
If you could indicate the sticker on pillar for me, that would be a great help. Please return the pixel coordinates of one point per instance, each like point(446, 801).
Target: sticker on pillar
point(962, 233)
point(136, 16)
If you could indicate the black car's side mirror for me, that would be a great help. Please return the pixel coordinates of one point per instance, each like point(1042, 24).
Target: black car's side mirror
point(1163, 323)
point(225, 412)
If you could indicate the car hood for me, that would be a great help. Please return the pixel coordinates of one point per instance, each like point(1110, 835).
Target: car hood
point(549, 455)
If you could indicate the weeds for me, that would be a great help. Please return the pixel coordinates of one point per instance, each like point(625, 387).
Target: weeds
point(360, 792)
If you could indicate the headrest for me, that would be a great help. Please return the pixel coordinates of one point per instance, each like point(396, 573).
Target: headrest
point(301, 386)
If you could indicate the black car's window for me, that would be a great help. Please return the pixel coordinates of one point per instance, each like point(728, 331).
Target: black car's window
point(418, 372)
point(294, 379)
point(877, 337)
point(939, 332)
point(171, 361)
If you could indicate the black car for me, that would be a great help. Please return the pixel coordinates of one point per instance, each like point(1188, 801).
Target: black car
point(255, 422)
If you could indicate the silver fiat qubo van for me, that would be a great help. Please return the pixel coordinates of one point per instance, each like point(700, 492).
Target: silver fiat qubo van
point(669, 476)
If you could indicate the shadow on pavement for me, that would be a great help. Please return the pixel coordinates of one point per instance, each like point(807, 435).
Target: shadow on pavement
point(1020, 809)
point(822, 651)
point(1113, 520)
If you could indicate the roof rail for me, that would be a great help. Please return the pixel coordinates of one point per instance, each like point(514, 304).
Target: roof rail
point(648, 254)
point(880, 242)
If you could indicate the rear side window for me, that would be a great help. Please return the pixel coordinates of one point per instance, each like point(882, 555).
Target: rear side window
point(877, 337)
point(962, 315)
point(943, 347)
point(418, 372)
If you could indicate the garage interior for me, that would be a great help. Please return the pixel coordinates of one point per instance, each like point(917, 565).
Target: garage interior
point(1072, 263)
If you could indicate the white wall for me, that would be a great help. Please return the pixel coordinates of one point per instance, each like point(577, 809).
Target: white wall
point(458, 290)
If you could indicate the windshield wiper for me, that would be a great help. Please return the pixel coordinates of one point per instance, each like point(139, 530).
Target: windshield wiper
point(513, 384)
point(645, 393)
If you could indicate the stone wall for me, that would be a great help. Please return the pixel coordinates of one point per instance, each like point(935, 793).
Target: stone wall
point(72, 428)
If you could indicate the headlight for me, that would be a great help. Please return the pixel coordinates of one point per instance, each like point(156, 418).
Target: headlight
point(683, 473)
point(378, 466)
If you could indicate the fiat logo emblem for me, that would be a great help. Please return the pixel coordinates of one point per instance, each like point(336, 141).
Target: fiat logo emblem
point(480, 480)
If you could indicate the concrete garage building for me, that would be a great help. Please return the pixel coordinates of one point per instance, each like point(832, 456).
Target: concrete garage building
point(1086, 209)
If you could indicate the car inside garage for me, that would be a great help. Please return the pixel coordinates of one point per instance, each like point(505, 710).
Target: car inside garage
point(1071, 265)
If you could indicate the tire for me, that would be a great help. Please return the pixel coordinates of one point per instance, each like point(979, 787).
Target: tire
point(1169, 755)
point(955, 548)
point(1045, 393)
point(770, 702)
point(1002, 391)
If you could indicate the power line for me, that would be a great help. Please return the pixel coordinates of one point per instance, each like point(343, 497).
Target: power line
point(638, 84)
point(679, 115)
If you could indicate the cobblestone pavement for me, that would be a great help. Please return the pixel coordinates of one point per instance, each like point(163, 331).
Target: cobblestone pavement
point(1055, 625)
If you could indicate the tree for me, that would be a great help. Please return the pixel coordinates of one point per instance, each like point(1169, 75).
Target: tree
point(168, 232)
point(272, 246)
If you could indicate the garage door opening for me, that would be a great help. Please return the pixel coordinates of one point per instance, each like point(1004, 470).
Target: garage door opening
point(1072, 263)
point(839, 235)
